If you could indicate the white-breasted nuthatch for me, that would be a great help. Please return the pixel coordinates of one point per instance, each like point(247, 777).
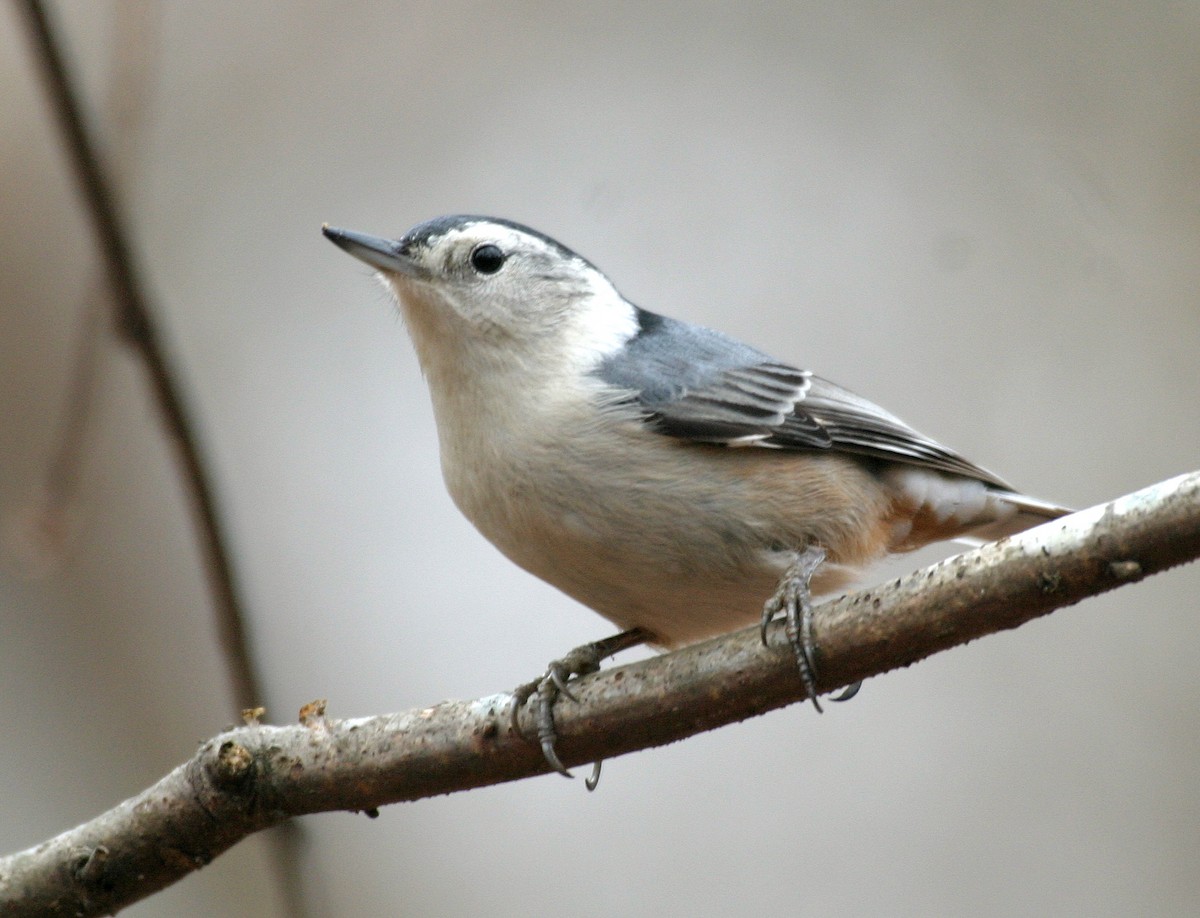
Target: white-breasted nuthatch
point(664, 474)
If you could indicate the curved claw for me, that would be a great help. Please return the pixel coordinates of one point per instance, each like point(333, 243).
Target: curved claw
point(553, 760)
point(593, 779)
point(547, 694)
point(520, 695)
point(543, 693)
point(847, 693)
point(555, 675)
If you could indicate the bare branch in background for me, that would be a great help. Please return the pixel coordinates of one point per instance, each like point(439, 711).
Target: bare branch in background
point(248, 779)
point(124, 289)
point(136, 321)
point(133, 65)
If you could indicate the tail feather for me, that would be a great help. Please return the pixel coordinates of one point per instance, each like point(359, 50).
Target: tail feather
point(1030, 512)
point(933, 505)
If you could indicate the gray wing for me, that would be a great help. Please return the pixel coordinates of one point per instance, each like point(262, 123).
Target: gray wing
point(694, 383)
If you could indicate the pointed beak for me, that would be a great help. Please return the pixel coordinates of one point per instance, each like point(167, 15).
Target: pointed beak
point(382, 254)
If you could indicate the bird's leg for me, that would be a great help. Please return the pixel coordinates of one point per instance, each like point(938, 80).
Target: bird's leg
point(543, 693)
point(793, 598)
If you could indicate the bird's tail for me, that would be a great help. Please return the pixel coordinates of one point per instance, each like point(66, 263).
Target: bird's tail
point(1017, 513)
point(932, 505)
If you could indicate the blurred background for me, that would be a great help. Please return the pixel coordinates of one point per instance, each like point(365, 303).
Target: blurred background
point(984, 216)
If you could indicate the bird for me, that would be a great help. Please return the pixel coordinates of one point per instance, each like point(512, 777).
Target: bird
point(677, 481)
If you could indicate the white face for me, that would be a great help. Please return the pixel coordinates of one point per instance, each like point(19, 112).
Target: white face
point(477, 292)
point(492, 279)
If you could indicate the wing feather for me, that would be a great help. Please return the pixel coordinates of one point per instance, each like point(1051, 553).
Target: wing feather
point(693, 383)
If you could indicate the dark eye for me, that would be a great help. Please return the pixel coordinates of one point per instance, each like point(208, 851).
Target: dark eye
point(487, 258)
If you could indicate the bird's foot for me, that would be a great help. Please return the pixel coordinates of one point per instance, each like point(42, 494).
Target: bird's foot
point(543, 693)
point(793, 598)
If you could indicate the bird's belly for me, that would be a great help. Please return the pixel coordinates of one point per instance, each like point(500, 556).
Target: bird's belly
point(682, 583)
point(691, 545)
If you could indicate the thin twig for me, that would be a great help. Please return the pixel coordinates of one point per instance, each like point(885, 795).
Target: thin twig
point(126, 103)
point(135, 319)
point(62, 468)
point(247, 779)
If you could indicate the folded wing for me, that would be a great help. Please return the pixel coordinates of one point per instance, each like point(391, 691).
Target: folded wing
point(694, 383)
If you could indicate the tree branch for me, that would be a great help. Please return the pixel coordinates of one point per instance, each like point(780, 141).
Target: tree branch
point(135, 320)
point(247, 779)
